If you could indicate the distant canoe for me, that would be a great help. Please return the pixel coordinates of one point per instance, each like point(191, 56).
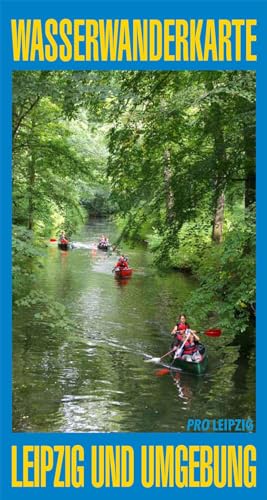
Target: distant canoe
point(64, 246)
point(123, 272)
point(101, 246)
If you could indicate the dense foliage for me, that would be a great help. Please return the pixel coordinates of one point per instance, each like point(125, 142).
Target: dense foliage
point(182, 164)
point(59, 161)
point(173, 153)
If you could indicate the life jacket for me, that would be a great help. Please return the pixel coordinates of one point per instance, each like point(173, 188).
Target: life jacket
point(183, 326)
point(189, 348)
point(122, 263)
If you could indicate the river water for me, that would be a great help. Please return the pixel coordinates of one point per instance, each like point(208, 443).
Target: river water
point(93, 378)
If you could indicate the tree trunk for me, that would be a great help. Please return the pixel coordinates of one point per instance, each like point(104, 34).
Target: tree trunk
point(220, 159)
point(31, 180)
point(168, 189)
point(217, 229)
point(250, 189)
point(216, 130)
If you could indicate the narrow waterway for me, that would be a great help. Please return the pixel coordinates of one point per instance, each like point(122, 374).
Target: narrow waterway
point(93, 378)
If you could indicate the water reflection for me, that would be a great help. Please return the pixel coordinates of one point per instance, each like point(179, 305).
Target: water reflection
point(93, 378)
point(184, 390)
point(122, 281)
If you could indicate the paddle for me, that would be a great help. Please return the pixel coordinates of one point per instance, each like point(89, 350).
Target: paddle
point(212, 332)
point(180, 350)
point(162, 371)
point(158, 360)
point(167, 353)
point(53, 239)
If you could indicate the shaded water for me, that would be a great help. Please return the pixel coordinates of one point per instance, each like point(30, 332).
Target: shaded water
point(93, 378)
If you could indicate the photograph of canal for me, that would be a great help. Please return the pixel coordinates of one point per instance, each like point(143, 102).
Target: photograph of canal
point(133, 250)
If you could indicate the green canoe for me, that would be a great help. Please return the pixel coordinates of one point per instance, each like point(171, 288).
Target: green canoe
point(195, 367)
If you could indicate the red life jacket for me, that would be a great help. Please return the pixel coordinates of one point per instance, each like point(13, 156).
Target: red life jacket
point(122, 263)
point(189, 348)
point(183, 326)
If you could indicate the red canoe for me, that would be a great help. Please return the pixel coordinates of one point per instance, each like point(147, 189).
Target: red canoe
point(123, 272)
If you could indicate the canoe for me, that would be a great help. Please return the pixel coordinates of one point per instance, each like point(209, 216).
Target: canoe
point(196, 367)
point(122, 272)
point(64, 246)
point(103, 247)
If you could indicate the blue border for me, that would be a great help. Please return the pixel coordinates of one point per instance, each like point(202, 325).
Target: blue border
point(112, 9)
point(130, 10)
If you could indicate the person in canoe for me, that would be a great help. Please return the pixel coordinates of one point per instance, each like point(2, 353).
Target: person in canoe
point(186, 338)
point(180, 326)
point(63, 238)
point(103, 242)
point(188, 347)
point(122, 263)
